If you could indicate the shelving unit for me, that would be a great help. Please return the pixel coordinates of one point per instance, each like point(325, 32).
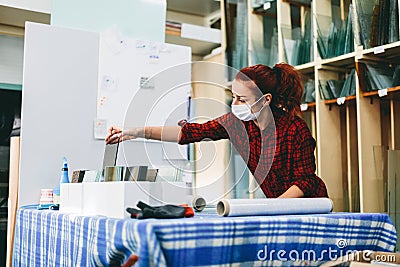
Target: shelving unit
point(350, 129)
point(336, 126)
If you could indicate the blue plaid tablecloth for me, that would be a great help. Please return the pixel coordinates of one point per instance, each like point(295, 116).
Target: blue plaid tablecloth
point(51, 238)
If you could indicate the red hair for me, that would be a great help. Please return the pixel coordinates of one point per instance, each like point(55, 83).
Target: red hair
point(282, 81)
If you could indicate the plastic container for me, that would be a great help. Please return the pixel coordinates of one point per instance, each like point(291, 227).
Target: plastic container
point(64, 179)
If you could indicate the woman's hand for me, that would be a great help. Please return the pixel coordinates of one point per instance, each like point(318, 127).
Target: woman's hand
point(116, 134)
point(293, 192)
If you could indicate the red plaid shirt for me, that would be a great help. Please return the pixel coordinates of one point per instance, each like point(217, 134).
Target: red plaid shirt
point(277, 161)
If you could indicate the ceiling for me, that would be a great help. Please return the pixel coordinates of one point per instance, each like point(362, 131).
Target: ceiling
point(17, 17)
point(194, 7)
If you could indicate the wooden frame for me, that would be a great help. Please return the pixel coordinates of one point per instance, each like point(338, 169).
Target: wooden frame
point(13, 195)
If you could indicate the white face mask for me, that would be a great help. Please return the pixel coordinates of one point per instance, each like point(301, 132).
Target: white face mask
point(243, 112)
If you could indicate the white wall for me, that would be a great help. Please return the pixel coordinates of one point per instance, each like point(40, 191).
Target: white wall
point(141, 19)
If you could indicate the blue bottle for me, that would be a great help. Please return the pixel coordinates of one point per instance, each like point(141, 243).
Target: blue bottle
point(64, 179)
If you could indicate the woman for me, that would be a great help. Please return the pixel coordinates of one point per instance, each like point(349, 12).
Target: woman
point(280, 155)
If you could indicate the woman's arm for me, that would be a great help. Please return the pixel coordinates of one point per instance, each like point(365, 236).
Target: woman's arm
point(184, 133)
point(162, 133)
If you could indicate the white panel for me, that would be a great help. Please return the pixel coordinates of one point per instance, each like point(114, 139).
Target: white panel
point(143, 83)
point(58, 107)
point(11, 59)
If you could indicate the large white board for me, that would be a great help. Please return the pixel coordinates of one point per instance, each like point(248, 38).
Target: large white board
point(59, 107)
point(142, 82)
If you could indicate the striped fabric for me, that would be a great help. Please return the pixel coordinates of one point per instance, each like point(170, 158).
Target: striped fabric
point(50, 238)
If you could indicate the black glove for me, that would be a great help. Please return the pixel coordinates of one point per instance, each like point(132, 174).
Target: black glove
point(135, 213)
point(159, 212)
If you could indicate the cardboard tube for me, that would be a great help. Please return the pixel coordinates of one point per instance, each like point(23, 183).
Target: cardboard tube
point(273, 206)
point(198, 203)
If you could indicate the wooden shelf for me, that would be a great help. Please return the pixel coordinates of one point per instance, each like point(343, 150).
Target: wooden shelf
point(390, 52)
point(194, 7)
point(334, 101)
point(198, 47)
point(12, 30)
point(375, 93)
point(298, 3)
point(312, 104)
point(304, 107)
point(202, 44)
point(270, 12)
point(266, 14)
point(346, 61)
point(306, 68)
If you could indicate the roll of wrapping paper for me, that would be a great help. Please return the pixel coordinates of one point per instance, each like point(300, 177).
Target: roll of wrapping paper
point(273, 206)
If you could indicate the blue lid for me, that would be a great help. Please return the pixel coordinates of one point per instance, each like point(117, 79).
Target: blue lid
point(64, 172)
point(65, 163)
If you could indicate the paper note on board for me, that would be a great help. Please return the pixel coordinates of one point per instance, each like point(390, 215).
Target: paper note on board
point(100, 128)
point(114, 40)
